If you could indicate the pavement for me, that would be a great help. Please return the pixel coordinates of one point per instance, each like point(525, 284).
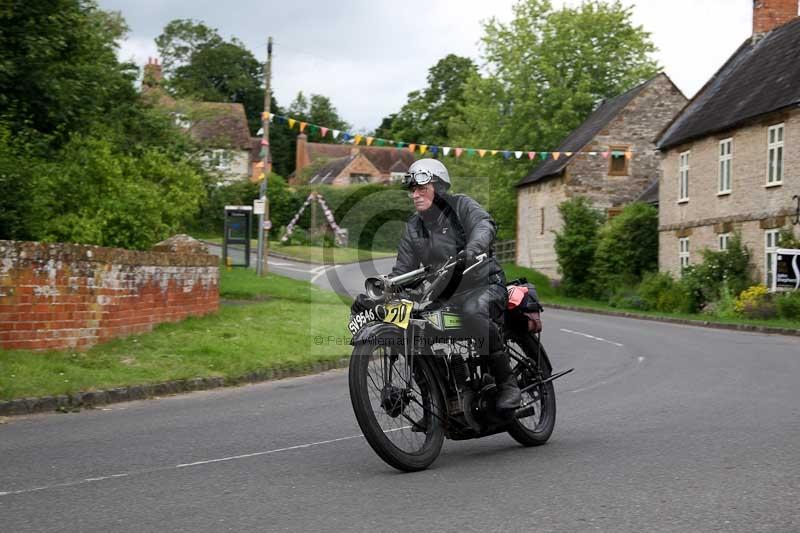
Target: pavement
point(661, 427)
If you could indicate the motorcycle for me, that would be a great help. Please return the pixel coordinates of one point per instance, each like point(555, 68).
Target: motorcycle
point(416, 377)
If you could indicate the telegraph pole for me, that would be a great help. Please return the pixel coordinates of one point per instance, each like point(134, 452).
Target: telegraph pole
point(263, 233)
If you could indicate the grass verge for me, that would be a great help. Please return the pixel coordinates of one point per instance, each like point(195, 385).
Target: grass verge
point(318, 254)
point(549, 295)
point(275, 328)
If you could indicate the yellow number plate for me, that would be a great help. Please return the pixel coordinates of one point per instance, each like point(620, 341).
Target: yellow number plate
point(399, 313)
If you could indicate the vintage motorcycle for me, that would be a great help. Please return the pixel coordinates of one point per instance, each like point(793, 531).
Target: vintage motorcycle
point(416, 377)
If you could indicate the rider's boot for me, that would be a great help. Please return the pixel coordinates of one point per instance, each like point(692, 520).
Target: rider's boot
point(508, 394)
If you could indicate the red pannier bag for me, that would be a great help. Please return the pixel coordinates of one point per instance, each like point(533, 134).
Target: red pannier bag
point(523, 303)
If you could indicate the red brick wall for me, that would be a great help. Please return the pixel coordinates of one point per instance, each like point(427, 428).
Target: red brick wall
point(58, 296)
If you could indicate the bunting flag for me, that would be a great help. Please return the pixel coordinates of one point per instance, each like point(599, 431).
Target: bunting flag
point(260, 164)
point(260, 131)
point(457, 151)
point(264, 142)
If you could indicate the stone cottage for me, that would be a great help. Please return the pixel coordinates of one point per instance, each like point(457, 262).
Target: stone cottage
point(731, 159)
point(623, 128)
point(219, 127)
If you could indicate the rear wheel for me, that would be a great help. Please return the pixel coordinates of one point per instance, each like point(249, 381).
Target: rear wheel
point(538, 408)
point(397, 404)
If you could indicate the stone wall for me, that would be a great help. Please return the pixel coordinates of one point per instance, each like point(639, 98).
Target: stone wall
point(59, 296)
point(751, 207)
point(537, 221)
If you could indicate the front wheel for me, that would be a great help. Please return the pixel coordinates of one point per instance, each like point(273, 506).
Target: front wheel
point(397, 404)
point(536, 416)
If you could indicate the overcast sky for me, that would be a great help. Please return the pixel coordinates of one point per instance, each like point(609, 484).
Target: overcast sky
point(366, 55)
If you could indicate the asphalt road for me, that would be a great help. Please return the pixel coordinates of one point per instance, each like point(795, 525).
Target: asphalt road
point(661, 428)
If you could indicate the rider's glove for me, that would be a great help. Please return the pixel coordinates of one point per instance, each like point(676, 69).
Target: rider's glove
point(469, 255)
point(361, 303)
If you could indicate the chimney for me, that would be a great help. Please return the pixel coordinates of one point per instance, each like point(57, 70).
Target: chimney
point(301, 159)
point(152, 74)
point(769, 14)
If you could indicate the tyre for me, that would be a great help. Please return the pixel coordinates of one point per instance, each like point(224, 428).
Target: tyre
point(398, 405)
point(536, 425)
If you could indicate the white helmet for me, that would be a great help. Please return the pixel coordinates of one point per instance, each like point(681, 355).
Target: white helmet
point(427, 170)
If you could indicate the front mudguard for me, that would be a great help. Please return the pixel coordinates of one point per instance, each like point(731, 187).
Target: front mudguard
point(373, 332)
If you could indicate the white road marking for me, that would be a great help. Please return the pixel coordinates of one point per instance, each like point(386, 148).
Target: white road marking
point(321, 267)
point(591, 337)
point(321, 272)
point(184, 465)
point(267, 452)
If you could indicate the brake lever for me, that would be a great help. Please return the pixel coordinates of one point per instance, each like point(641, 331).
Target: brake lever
point(478, 260)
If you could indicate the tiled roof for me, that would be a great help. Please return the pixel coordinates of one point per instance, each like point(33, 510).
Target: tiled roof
point(329, 172)
point(385, 159)
point(583, 134)
point(762, 76)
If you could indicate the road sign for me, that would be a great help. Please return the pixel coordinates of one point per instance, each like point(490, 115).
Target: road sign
point(258, 206)
point(787, 269)
point(267, 225)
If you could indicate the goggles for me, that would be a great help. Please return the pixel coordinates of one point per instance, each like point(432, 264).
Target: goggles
point(419, 177)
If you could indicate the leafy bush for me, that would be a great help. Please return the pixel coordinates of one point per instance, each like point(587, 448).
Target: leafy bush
point(576, 244)
point(789, 305)
point(727, 268)
point(756, 302)
point(660, 292)
point(627, 247)
point(627, 297)
point(725, 306)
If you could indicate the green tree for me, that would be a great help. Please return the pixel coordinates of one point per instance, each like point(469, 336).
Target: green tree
point(546, 71)
point(576, 245)
point(58, 67)
point(627, 247)
point(200, 65)
point(426, 115)
point(82, 157)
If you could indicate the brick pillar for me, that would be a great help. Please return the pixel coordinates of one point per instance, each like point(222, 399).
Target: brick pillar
point(769, 14)
point(301, 159)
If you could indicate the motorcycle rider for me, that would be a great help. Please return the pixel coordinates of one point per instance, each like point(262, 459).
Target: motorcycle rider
point(444, 225)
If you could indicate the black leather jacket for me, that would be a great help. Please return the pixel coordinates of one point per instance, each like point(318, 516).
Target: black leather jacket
point(453, 223)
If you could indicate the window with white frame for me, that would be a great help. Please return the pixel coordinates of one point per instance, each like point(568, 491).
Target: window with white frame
point(397, 177)
point(770, 247)
point(724, 239)
point(181, 120)
point(683, 179)
point(220, 159)
point(683, 251)
point(775, 155)
point(725, 164)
